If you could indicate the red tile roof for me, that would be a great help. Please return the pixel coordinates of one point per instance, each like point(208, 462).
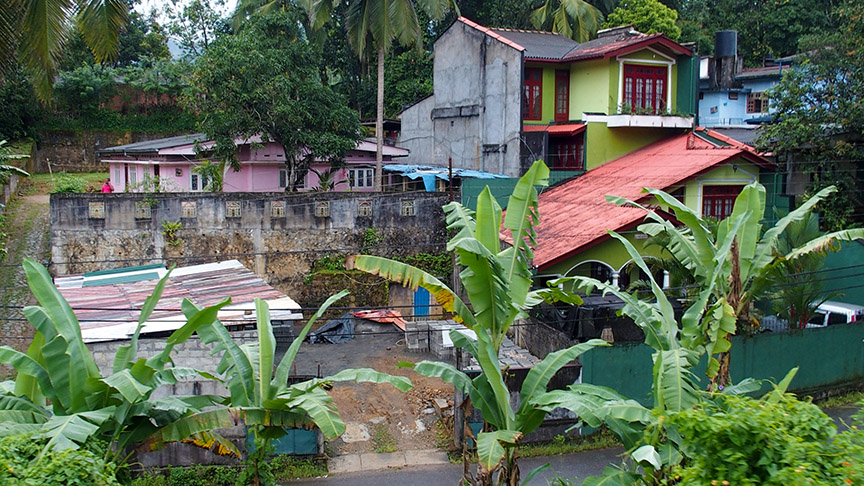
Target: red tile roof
point(575, 216)
point(560, 129)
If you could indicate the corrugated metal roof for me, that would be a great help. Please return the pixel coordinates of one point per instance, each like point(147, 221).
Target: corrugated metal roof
point(761, 72)
point(575, 215)
point(108, 310)
point(621, 44)
point(155, 145)
point(539, 44)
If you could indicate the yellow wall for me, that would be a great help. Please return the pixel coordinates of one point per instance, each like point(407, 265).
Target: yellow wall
point(603, 144)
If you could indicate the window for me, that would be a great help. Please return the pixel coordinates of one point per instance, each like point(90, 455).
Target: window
point(601, 272)
point(407, 207)
point(198, 182)
point(364, 208)
point(757, 103)
point(566, 154)
point(562, 95)
point(118, 175)
point(283, 178)
point(645, 88)
point(717, 201)
point(142, 210)
point(361, 177)
point(133, 176)
point(532, 94)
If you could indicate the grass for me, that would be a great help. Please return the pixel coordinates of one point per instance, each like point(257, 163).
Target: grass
point(847, 398)
point(285, 468)
point(383, 440)
point(45, 183)
point(563, 445)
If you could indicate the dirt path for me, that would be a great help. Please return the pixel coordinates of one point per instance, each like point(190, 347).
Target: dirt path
point(28, 231)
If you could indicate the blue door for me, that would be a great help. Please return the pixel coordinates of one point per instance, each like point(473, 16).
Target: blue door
point(421, 303)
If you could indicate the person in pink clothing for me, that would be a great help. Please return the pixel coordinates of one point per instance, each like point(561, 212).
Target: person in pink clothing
point(107, 187)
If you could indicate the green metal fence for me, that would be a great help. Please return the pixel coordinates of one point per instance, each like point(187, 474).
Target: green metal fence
point(502, 188)
point(826, 358)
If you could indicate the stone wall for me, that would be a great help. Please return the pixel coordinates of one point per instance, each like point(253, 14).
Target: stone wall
point(76, 150)
point(278, 236)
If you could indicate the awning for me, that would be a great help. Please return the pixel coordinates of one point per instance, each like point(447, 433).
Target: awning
point(559, 130)
point(429, 173)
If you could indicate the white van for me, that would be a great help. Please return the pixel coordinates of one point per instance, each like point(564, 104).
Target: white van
point(832, 312)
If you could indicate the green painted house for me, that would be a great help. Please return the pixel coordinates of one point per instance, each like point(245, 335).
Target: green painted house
point(610, 116)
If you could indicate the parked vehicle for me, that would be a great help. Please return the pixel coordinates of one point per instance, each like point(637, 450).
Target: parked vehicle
point(828, 313)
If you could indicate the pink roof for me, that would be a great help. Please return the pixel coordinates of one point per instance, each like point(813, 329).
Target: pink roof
point(575, 216)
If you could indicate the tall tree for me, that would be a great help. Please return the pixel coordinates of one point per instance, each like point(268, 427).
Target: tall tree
point(818, 115)
point(373, 26)
point(576, 19)
point(38, 30)
point(648, 16)
point(264, 81)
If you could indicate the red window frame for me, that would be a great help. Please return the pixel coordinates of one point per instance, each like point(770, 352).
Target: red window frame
point(717, 201)
point(566, 153)
point(645, 87)
point(562, 96)
point(532, 94)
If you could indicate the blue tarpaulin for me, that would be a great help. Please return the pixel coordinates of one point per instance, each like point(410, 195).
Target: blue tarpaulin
point(429, 173)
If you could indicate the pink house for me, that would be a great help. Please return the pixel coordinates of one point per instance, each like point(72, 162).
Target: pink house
point(169, 162)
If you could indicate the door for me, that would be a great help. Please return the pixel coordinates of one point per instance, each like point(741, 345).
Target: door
point(421, 303)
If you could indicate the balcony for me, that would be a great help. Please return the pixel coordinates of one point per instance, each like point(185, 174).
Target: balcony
point(646, 121)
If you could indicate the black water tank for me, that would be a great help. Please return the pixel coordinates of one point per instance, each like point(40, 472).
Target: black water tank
point(725, 43)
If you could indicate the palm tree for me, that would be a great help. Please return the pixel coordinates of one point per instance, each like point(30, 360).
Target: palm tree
point(37, 31)
point(576, 19)
point(373, 25)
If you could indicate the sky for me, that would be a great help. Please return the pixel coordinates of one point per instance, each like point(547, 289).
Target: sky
point(144, 6)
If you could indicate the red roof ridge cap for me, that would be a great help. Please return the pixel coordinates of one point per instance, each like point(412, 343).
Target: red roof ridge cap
point(490, 33)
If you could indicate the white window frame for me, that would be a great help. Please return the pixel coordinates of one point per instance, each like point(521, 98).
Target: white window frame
point(361, 177)
point(200, 178)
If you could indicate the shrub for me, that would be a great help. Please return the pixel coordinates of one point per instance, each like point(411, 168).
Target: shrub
point(742, 441)
point(69, 184)
point(20, 464)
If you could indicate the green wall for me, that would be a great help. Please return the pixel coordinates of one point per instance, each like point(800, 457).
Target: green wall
point(837, 276)
point(687, 79)
point(826, 358)
point(590, 85)
point(611, 252)
point(502, 188)
point(603, 144)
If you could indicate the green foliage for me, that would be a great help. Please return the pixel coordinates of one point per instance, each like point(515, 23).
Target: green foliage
point(83, 90)
point(408, 80)
point(237, 80)
point(576, 19)
point(23, 463)
point(20, 112)
point(817, 109)
point(67, 183)
point(213, 172)
point(371, 239)
point(196, 25)
point(284, 468)
point(171, 231)
point(383, 440)
point(647, 16)
point(497, 281)
point(331, 263)
point(6, 169)
point(167, 119)
point(742, 441)
point(438, 265)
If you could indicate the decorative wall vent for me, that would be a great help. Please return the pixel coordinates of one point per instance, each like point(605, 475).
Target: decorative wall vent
point(407, 207)
point(277, 209)
point(232, 209)
point(364, 208)
point(97, 210)
point(322, 209)
point(142, 210)
point(188, 209)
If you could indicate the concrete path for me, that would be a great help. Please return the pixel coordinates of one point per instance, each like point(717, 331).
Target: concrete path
point(371, 461)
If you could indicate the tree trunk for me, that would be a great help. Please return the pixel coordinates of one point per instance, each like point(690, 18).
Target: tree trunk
point(721, 379)
point(379, 124)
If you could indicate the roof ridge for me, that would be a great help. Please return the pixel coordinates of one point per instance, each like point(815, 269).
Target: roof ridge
point(525, 31)
point(490, 33)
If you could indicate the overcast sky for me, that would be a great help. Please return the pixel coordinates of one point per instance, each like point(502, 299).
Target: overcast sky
point(144, 6)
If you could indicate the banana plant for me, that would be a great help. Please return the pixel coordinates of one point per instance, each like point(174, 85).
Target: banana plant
point(498, 285)
point(745, 273)
point(60, 394)
point(260, 397)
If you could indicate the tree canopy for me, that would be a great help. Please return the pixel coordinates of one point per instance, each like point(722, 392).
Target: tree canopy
point(648, 16)
point(818, 114)
point(264, 80)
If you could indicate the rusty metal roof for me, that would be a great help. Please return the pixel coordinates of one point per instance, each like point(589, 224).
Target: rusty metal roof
point(107, 304)
point(562, 129)
point(575, 215)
